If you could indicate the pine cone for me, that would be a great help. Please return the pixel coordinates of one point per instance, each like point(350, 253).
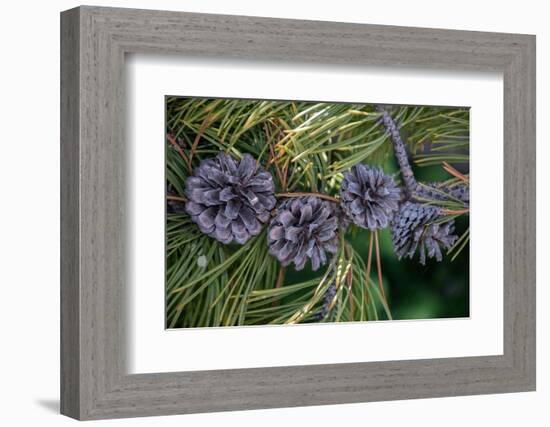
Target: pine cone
point(304, 227)
point(228, 199)
point(369, 197)
point(412, 227)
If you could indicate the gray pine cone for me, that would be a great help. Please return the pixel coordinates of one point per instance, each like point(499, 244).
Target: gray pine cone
point(304, 227)
point(369, 197)
point(411, 230)
point(229, 199)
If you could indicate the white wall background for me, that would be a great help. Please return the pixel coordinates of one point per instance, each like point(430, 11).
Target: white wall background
point(29, 211)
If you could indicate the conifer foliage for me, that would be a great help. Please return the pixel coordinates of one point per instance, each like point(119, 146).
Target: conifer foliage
point(260, 190)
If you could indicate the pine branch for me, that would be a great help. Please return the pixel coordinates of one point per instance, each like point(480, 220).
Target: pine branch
point(413, 189)
point(309, 193)
point(400, 152)
point(306, 146)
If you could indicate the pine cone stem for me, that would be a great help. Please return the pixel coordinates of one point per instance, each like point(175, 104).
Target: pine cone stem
point(302, 194)
point(400, 151)
point(379, 266)
point(176, 198)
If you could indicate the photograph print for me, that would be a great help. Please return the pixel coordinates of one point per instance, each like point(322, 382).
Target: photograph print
point(296, 212)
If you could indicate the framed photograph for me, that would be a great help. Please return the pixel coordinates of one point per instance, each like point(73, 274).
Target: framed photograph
point(262, 213)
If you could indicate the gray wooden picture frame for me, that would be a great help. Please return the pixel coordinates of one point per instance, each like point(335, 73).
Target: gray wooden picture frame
point(94, 382)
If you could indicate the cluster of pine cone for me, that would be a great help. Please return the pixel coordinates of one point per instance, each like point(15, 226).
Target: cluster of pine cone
point(230, 200)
